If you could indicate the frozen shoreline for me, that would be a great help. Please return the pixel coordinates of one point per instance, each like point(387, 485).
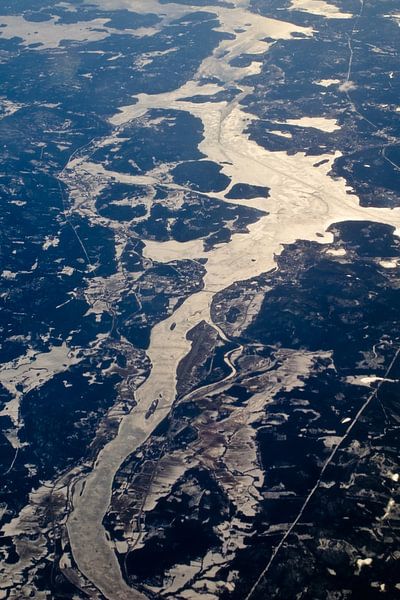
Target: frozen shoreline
point(303, 202)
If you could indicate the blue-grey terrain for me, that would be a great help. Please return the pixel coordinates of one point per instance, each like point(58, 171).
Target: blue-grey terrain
point(200, 299)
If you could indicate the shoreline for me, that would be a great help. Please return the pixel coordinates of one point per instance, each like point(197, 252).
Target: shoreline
point(304, 201)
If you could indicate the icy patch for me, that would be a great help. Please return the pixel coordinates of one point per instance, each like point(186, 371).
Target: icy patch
point(388, 264)
point(337, 252)
point(363, 562)
point(327, 82)
point(321, 123)
point(284, 134)
point(31, 371)
point(319, 7)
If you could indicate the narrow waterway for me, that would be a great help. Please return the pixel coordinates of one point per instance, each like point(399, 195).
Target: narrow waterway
point(303, 202)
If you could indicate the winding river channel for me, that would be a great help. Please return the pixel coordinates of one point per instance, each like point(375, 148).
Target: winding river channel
point(304, 200)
